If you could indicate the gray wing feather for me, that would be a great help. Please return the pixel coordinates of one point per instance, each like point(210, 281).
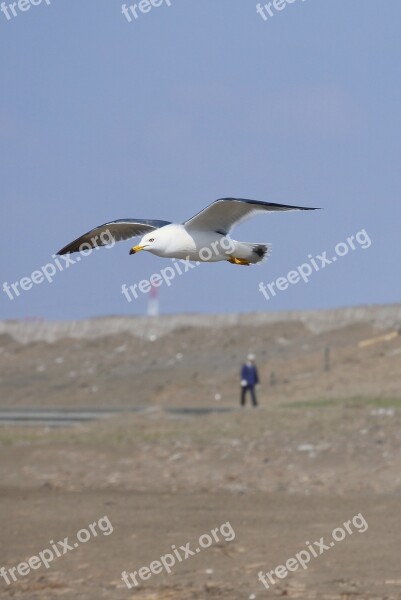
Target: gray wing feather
point(114, 231)
point(224, 214)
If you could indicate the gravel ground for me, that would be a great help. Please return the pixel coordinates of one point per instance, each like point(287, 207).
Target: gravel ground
point(323, 447)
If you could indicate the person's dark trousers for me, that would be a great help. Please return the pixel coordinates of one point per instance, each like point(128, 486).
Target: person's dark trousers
point(251, 389)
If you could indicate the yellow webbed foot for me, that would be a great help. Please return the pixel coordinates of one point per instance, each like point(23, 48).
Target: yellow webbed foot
point(238, 261)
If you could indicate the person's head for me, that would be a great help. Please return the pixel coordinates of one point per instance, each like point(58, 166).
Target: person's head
point(251, 358)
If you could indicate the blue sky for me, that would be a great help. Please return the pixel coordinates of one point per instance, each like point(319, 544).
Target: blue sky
point(103, 119)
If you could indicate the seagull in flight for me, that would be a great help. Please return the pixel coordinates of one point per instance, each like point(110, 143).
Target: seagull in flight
point(205, 237)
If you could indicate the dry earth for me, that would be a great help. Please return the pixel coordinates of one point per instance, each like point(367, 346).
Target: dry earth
point(323, 447)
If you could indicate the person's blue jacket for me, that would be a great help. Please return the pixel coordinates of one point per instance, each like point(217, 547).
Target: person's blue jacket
point(249, 373)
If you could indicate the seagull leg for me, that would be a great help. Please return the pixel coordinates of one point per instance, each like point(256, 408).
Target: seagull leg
point(238, 261)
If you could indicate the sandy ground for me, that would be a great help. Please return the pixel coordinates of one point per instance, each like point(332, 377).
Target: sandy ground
point(322, 448)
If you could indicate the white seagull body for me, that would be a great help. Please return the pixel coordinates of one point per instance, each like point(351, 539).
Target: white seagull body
point(204, 237)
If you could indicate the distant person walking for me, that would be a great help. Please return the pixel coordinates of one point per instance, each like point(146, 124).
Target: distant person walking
point(249, 380)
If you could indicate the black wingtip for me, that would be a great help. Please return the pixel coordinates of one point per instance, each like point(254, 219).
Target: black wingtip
point(66, 250)
point(272, 204)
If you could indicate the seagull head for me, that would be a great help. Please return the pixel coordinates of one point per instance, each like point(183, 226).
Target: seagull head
point(150, 242)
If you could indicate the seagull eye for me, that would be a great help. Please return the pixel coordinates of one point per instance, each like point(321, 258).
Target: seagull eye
point(151, 239)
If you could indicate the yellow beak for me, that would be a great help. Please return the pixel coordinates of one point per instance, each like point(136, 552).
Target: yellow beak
point(136, 249)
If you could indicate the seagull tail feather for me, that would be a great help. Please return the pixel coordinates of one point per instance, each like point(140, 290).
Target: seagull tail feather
point(253, 253)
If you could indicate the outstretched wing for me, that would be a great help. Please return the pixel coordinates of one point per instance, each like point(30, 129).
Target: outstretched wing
point(224, 214)
point(115, 231)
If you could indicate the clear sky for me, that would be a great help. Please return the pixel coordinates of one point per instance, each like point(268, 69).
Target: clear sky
point(102, 119)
